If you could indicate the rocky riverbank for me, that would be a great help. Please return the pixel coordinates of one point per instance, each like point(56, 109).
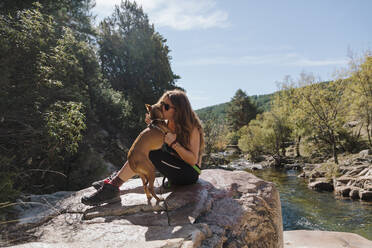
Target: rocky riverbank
point(352, 178)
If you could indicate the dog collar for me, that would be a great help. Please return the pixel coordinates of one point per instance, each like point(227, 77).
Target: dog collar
point(154, 126)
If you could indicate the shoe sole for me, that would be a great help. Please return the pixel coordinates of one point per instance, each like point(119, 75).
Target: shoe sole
point(113, 200)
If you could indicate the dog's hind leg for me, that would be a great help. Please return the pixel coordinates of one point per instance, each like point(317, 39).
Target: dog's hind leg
point(151, 180)
point(145, 183)
point(152, 191)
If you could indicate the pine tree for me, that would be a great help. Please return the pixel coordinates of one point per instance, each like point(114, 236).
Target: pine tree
point(134, 58)
point(240, 111)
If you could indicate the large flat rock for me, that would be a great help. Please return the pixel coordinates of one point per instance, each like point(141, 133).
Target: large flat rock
point(223, 209)
point(324, 239)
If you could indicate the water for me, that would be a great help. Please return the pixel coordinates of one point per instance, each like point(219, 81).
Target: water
point(303, 208)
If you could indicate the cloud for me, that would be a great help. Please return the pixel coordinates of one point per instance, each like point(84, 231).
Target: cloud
point(176, 14)
point(289, 59)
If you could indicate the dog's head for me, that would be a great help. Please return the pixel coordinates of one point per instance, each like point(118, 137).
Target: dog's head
point(155, 111)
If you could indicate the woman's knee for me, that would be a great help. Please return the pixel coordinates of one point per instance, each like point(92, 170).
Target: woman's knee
point(182, 180)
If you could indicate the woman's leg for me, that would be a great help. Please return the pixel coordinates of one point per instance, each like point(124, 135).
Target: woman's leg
point(175, 169)
point(125, 172)
point(109, 192)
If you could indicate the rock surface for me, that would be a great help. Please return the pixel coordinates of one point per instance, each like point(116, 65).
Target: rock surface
point(224, 209)
point(353, 180)
point(323, 239)
point(321, 185)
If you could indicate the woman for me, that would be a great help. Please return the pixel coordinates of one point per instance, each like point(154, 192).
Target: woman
point(179, 157)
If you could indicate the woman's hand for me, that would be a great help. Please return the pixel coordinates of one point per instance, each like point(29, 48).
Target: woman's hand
point(170, 138)
point(147, 119)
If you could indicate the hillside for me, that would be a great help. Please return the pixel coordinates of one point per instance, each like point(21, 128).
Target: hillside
point(218, 112)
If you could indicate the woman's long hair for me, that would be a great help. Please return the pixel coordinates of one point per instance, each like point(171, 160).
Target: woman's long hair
point(185, 118)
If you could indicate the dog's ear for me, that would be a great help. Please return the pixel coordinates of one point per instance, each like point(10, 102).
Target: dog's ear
point(148, 107)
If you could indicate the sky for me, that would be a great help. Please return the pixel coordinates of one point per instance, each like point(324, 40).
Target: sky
point(219, 46)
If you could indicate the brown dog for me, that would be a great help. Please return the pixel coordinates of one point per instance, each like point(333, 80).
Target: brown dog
point(152, 138)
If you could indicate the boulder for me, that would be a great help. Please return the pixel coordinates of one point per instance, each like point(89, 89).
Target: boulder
point(365, 195)
point(363, 182)
point(365, 153)
point(343, 191)
point(321, 186)
point(356, 170)
point(354, 193)
point(352, 179)
point(223, 209)
point(345, 180)
point(324, 239)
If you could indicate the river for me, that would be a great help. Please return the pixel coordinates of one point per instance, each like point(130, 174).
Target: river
point(303, 208)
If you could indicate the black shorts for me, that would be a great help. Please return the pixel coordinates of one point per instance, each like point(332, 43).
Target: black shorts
point(175, 169)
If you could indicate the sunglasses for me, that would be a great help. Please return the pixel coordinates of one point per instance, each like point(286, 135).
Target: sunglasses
point(166, 106)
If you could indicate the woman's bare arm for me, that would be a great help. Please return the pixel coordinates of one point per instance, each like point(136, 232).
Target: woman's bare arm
point(191, 154)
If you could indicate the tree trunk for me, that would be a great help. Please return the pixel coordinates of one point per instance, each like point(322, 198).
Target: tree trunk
point(283, 151)
point(335, 152)
point(369, 132)
point(298, 146)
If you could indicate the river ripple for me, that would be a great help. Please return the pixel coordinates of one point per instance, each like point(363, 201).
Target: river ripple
point(303, 208)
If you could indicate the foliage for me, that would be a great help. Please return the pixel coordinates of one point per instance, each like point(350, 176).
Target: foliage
point(359, 93)
point(286, 102)
point(279, 120)
point(218, 112)
point(8, 173)
point(210, 134)
point(351, 142)
point(56, 105)
point(134, 58)
point(253, 138)
point(215, 112)
point(331, 170)
point(214, 119)
point(232, 137)
point(45, 90)
point(323, 110)
point(65, 123)
point(263, 102)
point(8, 191)
point(75, 14)
point(113, 110)
point(240, 110)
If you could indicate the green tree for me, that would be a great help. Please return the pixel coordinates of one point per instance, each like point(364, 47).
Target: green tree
point(321, 106)
point(240, 110)
point(45, 95)
point(257, 138)
point(134, 58)
point(73, 14)
point(359, 93)
point(286, 102)
point(277, 121)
